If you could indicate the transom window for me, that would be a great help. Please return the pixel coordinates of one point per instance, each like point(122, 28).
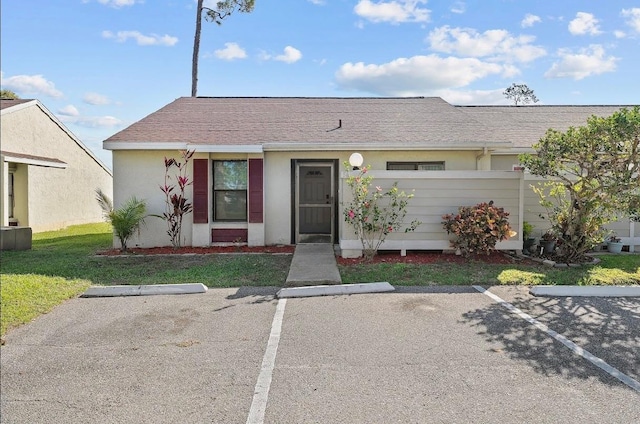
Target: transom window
point(229, 190)
point(415, 166)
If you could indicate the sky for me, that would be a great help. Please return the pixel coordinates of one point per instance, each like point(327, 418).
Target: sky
point(101, 65)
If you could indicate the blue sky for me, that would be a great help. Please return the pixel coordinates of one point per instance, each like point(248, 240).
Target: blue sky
point(101, 65)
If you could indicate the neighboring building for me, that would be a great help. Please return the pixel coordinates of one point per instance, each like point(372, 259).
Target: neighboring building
point(49, 177)
point(271, 170)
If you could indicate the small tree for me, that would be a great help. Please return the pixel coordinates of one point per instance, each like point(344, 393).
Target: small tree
point(177, 205)
point(8, 94)
point(375, 213)
point(126, 220)
point(595, 176)
point(520, 93)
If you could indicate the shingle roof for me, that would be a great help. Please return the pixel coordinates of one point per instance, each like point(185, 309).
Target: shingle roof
point(262, 120)
point(525, 125)
point(5, 103)
point(416, 122)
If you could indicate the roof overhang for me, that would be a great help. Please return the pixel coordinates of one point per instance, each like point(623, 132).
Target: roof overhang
point(33, 160)
point(294, 146)
point(283, 147)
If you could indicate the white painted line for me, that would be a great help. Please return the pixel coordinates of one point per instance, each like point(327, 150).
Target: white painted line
point(145, 290)
point(573, 291)
point(635, 385)
point(330, 290)
point(261, 391)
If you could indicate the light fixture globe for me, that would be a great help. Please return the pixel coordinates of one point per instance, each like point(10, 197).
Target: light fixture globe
point(356, 160)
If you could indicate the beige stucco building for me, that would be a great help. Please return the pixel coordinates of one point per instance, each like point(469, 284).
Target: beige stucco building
point(271, 171)
point(49, 177)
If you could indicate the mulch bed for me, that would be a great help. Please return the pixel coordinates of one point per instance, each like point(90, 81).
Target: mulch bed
point(431, 257)
point(169, 250)
point(412, 257)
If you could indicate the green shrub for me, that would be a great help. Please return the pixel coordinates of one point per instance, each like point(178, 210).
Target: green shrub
point(478, 228)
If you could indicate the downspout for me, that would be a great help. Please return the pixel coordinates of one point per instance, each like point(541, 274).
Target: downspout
point(485, 152)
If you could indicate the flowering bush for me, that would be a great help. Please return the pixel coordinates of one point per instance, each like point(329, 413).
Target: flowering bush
point(478, 228)
point(177, 204)
point(374, 213)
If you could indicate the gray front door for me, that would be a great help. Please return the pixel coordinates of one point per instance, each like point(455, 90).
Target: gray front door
point(315, 202)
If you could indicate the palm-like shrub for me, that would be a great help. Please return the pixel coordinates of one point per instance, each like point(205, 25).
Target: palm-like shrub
point(126, 220)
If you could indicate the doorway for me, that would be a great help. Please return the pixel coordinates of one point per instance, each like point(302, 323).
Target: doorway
point(315, 202)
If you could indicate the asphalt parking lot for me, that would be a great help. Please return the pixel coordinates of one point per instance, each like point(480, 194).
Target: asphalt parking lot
point(416, 355)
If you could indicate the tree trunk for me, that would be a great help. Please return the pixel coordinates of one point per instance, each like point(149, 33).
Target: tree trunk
point(196, 50)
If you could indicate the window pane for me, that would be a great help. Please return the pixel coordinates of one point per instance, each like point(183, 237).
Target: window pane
point(230, 175)
point(230, 205)
point(431, 166)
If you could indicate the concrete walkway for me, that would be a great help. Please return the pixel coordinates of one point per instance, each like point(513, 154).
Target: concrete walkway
point(313, 264)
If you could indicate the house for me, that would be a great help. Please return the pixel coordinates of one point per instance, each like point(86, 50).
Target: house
point(271, 171)
point(49, 176)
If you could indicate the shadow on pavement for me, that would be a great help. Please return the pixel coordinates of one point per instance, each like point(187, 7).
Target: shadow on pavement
point(608, 328)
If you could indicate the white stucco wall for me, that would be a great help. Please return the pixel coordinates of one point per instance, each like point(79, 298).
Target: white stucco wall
point(55, 197)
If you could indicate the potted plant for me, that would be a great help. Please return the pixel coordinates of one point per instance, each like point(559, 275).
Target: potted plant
point(527, 239)
point(548, 242)
point(614, 244)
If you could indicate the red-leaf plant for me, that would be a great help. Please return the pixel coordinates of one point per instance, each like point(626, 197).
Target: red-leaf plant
point(177, 205)
point(478, 228)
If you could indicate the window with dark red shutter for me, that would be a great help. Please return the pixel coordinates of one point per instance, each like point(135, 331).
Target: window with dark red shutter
point(200, 191)
point(256, 208)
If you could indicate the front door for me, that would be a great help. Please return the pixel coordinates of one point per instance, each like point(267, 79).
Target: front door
point(315, 202)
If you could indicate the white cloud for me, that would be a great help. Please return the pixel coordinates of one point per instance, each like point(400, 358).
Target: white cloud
point(69, 110)
point(584, 23)
point(472, 97)
point(633, 18)
point(619, 34)
point(417, 75)
point(396, 11)
point(529, 20)
point(95, 99)
point(30, 85)
point(231, 51)
point(141, 39)
point(119, 3)
point(587, 62)
point(497, 44)
point(91, 121)
point(318, 2)
point(459, 7)
point(290, 55)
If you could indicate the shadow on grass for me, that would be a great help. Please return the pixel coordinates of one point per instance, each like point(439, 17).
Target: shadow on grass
point(607, 328)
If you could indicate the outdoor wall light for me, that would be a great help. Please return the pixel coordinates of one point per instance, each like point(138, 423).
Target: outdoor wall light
point(356, 161)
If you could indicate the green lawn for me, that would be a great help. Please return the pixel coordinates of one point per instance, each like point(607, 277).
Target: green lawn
point(612, 270)
point(62, 264)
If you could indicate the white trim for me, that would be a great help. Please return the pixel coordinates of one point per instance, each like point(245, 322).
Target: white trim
point(18, 107)
point(177, 145)
point(303, 146)
point(35, 162)
point(442, 175)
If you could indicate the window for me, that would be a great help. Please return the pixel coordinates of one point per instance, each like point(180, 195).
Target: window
point(230, 190)
point(11, 195)
point(415, 166)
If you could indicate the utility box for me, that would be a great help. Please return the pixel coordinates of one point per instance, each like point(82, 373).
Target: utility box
point(15, 238)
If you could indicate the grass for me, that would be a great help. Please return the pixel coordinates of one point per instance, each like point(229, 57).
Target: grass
point(612, 270)
point(62, 264)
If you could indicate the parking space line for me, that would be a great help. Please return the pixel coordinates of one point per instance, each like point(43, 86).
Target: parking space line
point(261, 391)
point(635, 385)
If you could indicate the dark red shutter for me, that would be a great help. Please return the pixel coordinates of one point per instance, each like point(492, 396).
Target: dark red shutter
point(256, 208)
point(200, 191)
